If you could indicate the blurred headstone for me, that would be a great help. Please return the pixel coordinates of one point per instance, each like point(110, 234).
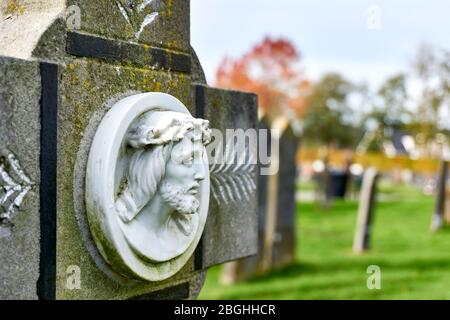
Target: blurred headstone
point(447, 203)
point(325, 181)
point(338, 184)
point(365, 211)
point(437, 220)
point(284, 242)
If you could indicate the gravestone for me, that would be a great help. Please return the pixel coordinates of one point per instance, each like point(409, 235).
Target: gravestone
point(323, 179)
point(437, 220)
point(447, 205)
point(366, 210)
point(284, 242)
point(89, 90)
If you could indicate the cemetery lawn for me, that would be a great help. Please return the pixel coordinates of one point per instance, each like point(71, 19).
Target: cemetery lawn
point(415, 263)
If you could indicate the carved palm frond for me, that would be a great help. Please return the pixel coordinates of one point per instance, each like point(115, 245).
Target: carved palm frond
point(133, 12)
point(14, 186)
point(232, 176)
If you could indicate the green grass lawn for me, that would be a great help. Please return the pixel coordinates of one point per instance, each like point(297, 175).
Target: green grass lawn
point(415, 264)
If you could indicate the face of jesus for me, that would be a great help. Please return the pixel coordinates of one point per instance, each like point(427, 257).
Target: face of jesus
point(184, 172)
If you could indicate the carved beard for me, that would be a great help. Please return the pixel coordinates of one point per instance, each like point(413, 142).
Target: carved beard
point(183, 203)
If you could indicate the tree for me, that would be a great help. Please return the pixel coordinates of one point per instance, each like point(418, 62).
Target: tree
point(431, 66)
point(388, 113)
point(327, 120)
point(269, 69)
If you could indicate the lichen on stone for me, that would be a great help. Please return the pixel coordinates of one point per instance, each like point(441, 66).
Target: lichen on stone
point(14, 7)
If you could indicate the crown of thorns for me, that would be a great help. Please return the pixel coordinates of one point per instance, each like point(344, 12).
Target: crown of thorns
point(162, 127)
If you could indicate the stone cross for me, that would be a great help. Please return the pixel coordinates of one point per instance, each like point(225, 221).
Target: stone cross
point(366, 211)
point(93, 94)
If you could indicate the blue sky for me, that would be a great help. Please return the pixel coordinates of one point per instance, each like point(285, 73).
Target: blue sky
point(331, 35)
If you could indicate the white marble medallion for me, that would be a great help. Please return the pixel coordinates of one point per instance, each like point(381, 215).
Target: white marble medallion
point(147, 185)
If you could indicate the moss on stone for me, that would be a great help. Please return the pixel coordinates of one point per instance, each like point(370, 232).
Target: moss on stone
point(87, 87)
point(169, 30)
point(11, 6)
point(14, 7)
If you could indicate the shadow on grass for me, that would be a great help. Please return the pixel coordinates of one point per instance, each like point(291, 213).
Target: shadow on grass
point(358, 264)
point(443, 230)
point(342, 288)
point(349, 281)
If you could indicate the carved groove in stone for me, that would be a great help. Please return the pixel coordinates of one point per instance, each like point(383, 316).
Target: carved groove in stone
point(232, 179)
point(132, 10)
point(14, 186)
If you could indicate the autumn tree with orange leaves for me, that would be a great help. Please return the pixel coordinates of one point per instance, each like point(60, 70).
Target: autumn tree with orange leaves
point(269, 69)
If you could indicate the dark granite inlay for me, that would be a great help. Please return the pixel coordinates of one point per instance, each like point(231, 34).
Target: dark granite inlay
point(83, 45)
point(177, 292)
point(46, 285)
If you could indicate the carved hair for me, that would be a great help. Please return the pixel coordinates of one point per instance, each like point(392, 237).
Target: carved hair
point(146, 170)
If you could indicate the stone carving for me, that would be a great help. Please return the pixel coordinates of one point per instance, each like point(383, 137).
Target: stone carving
point(147, 185)
point(133, 13)
point(14, 186)
point(231, 180)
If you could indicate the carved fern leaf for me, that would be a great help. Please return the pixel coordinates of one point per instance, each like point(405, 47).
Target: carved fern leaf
point(232, 177)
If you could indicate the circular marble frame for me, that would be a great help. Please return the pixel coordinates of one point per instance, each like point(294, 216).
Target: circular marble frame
point(100, 189)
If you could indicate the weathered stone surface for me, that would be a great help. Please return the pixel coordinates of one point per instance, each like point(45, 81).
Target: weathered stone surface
point(37, 28)
point(23, 22)
point(231, 228)
point(87, 90)
point(125, 20)
point(20, 90)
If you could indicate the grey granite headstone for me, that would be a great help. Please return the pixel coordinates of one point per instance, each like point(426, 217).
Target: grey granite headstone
point(50, 106)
